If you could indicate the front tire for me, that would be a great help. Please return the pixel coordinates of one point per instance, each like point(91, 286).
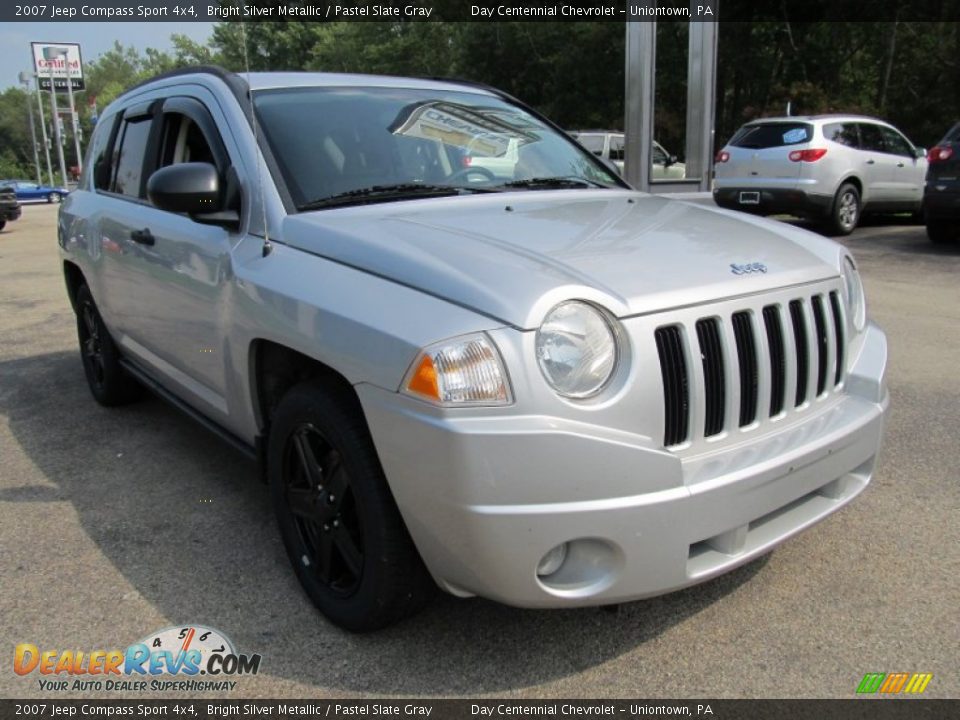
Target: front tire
point(53, 197)
point(3, 224)
point(845, 213)
point(108, 381)
point(340, 525)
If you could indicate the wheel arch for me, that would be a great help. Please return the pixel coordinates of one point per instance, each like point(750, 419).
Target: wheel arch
point(74, 278)
point(854, 180)
point(275, 368)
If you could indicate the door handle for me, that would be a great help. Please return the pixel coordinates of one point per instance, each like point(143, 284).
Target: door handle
point(144, 237)
point(899, 164)
point(871, 162)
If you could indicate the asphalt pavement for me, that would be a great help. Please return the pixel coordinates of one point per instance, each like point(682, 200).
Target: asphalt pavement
point(117, 523)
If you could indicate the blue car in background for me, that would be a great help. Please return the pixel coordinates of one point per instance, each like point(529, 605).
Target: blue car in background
point(27, 191)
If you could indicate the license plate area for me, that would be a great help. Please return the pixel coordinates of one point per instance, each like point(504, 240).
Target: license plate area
point(750, 197)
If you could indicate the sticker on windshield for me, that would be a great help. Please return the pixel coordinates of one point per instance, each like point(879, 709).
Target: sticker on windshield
point(794, 136)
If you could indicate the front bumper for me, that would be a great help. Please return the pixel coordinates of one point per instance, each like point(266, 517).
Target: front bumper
point(775, 201)
point(479, 494)
point(941, 200)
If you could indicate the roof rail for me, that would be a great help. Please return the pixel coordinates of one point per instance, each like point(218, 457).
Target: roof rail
point(235, 82)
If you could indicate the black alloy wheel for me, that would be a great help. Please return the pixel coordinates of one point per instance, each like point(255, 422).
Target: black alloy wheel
point(109, 383)
point(318, 493)
point(340, 525)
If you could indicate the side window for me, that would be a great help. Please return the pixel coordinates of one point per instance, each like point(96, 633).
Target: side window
point(183, 142)
point(843, 133)
point(871, 138)
point(659, 155)
point(895, 143)
point(616, 147)
point(130, 157)
point(97, 168)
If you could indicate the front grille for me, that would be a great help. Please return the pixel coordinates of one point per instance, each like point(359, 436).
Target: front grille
point(708, 334)
point(748, 368)
point(676, 389)
point(837, 335)
point(778, 359)
point(747, 357)
point(800, 342)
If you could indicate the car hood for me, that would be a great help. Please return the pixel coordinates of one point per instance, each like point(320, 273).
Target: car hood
point(512, 256)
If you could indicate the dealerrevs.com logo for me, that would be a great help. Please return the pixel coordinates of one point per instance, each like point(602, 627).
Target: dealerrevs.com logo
point(173, 659)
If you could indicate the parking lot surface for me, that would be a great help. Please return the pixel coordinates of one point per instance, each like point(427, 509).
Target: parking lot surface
point(117, 523)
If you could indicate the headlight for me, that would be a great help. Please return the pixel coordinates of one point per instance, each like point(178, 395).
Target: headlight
point(856, 302)
point(577, 349)
point(462, 371)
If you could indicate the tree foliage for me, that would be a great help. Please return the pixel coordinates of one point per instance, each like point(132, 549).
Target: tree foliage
point(574, 72)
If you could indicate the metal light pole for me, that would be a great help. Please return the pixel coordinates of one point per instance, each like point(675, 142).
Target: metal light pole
point(43, 131)
point(56, 126)
point(73, 114)
point(25, 81)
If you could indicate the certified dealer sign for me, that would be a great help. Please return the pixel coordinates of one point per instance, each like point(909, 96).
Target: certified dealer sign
point(58, 61)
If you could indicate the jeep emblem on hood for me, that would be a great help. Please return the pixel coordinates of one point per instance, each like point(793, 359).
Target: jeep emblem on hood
point(748, 268)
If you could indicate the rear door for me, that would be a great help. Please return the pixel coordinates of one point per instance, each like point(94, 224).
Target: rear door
point(877, 165)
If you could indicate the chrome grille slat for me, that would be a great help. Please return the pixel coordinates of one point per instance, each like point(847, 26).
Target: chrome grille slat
point(732, 370)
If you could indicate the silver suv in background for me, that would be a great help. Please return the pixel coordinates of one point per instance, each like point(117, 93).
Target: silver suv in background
point(826, 167)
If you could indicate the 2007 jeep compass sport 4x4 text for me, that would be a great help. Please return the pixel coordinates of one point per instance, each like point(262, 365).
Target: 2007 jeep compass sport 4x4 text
point(548, 390)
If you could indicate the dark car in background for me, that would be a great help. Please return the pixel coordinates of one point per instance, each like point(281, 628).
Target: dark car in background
point(9, 206)
point(941, 195)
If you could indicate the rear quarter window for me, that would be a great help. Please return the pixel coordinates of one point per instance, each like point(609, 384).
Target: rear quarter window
point(953, 135)
point(843, 133)
point(768, 135)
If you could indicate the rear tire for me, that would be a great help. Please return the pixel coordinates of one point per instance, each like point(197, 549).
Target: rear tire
point(108, 381)
point(845, 213)
point(941, 232)
point(3, 224)
point(53, 197)
point(340, 525)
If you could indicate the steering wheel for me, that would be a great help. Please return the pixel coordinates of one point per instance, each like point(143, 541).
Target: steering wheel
point(465, 173)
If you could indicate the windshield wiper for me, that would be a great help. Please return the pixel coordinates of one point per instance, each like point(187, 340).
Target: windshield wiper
point(549, 183)
point(386, 193)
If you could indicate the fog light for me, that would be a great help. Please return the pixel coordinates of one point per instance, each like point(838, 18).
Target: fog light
point(552, 561)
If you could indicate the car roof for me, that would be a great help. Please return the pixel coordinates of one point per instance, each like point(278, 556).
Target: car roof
point(818, 119)
point(276, 80)
point(273, 80)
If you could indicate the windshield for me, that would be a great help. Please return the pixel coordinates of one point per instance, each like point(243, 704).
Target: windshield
point(334, 141)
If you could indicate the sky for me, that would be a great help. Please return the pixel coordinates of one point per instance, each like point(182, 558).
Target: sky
point(94, 38)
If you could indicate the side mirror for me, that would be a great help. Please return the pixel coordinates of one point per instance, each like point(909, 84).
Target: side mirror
point(920, 152)
point(671, 160)
point(194, 189)
point(191, 188)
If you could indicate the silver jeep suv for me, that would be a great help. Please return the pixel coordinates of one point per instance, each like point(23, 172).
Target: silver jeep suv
point(826, 167)
point(548, 390)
